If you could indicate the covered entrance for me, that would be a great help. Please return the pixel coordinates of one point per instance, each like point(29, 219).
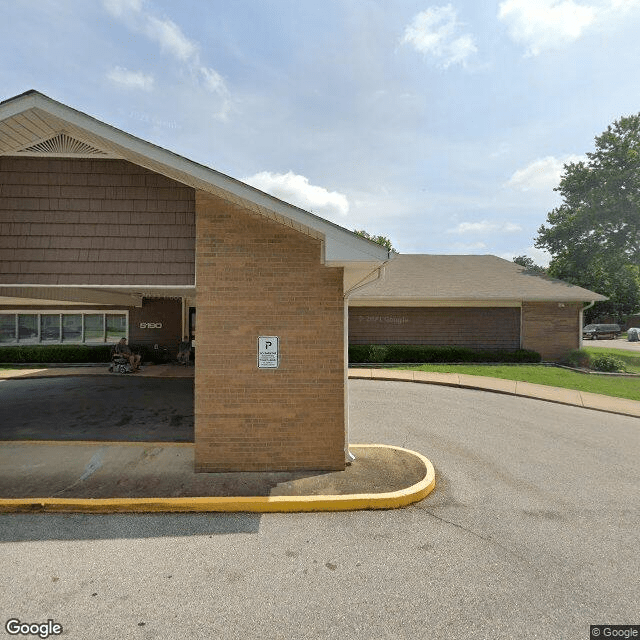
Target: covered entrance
point(95, 219)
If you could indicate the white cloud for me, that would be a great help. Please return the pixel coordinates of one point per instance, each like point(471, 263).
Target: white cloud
point(539, 256)
point(485, 227)
point(212, 80)
point(435, 32)
point(131, 79)
point(173, 41)
point(540, 25)
point(170, 38)
point(623, 5)
point(468, 247)
point(541, 175)
point(296, 190)
point(120, 8)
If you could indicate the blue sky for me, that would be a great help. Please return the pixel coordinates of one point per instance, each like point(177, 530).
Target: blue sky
point(444, 126)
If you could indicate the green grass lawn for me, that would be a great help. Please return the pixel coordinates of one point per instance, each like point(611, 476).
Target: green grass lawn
point(552, 376)
point(631, 359)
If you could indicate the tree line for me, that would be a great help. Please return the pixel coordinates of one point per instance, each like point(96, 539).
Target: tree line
point(594, 235)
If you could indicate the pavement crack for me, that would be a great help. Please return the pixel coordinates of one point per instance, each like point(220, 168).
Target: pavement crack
point(488, 539)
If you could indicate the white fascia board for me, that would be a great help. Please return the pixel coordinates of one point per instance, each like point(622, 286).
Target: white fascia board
point(17, 105)
point(413, 302)
point(348, 247)
point(341, 246)
point(454, 302)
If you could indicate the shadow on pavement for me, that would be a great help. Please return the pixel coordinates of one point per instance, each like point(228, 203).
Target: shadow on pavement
point(118, 409)
point(29, 527)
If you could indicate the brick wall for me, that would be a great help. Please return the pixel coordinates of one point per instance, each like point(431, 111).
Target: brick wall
point(88, 221)
point(550, 329)
point(473, 327)
point(256, 277)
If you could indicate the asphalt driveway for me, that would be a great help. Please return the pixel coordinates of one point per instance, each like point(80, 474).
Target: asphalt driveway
point(117, 408)
point(532, 532)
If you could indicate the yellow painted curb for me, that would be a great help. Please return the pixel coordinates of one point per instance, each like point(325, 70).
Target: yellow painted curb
point(255, 504)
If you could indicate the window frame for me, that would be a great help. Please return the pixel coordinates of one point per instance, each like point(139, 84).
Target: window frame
point(61, 313)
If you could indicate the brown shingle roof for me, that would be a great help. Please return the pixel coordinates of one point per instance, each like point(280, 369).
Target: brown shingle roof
point(414, 278)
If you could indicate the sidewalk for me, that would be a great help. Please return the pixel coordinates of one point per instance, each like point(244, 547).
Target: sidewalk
point(49, 371)
point(584, 399)
point(109, 477)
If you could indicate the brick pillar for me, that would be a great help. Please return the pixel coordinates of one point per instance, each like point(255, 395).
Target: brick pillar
point(551, 328)
point(256, 277)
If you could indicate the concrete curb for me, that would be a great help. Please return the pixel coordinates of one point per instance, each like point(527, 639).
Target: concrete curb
point(571, 397)
point(255, 504)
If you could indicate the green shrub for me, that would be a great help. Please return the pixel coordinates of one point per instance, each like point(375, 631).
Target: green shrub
point(577, 358)
point(609, 364)
point(378, 353)
point(408, 353)
point(358, 353)
point(55, 353)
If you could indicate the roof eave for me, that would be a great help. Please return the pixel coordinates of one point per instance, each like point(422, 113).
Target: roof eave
point(341, 245)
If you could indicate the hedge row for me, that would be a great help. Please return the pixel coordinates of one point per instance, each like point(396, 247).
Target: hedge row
point(358, 354)
point(76, 353)
point(379, 353)
point(55, 353)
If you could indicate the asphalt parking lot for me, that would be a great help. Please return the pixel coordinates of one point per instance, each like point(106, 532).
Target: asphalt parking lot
point(617, 343)
point(532, 532)
point(116, 408)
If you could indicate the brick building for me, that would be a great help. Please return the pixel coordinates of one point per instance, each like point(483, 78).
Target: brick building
point(104, 235)
point(481, 302)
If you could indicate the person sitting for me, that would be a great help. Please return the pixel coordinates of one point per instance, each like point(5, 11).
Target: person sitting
point(123, 349)
point(184, 351)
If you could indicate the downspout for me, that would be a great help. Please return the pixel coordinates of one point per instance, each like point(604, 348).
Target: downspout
point(348, 456)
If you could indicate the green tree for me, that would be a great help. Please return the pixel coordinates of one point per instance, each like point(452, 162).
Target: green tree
point(529, 265)
point(594, 235)
point(381, 240)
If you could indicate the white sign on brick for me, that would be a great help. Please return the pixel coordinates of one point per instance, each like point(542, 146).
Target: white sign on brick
point(268, 352)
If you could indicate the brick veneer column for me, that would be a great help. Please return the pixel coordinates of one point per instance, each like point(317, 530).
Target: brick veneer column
point(257, 277)
point(551, 329)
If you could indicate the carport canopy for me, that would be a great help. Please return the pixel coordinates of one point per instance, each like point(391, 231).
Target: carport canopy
point(32, 124)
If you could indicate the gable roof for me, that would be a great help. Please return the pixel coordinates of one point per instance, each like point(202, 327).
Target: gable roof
point(423, 279)
point(34, 124)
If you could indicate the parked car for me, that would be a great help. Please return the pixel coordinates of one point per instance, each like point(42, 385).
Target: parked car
point(633, 334)
point(598, 331)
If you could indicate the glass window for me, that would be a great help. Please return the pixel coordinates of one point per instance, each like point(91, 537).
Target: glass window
point(116, 327)
point(28, 327)
point(7, 327)
point(94, 327)
point(50, 327)
point(53, 328)
point(72, 328)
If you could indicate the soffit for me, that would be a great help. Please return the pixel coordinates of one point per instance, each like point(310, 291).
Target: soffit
point(128, 296)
